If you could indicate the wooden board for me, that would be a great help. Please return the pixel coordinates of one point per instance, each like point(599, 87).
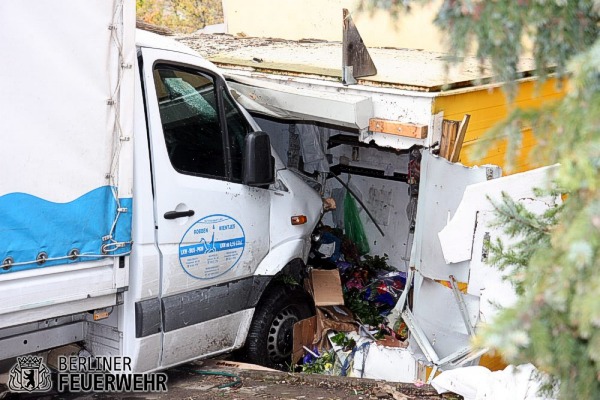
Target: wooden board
point(398, 128)
point(449, 133)
point(462, 130)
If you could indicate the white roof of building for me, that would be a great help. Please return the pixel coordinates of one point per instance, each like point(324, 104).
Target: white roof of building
point(398, 68)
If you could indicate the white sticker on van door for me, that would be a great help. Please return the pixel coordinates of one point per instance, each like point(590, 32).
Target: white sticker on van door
point(212, 246)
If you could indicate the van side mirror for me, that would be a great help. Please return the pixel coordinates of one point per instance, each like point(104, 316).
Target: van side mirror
point(259, 164)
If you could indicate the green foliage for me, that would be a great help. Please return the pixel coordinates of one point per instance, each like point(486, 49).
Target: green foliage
point(320, 365)
point(499, 29)
point(555, 257)
point(531, 230)
point(180, 15)
point(287, 280)
point(365, 311)
point(555, 322)
point(344, 341)
point(376, 263)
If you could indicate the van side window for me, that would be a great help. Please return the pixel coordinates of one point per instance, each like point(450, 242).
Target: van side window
point(237, 128)
point(190, 119)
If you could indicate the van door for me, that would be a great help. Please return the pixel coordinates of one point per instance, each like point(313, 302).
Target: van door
point(211, 230)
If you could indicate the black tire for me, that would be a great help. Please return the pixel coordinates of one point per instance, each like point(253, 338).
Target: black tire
point(269, 340)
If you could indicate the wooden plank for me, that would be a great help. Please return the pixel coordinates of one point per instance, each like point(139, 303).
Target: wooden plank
point(462, 130)
point(449, 132)
point(398, 128)
point(228, 364)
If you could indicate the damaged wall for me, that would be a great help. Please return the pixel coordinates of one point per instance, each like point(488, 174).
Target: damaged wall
point(386, 199)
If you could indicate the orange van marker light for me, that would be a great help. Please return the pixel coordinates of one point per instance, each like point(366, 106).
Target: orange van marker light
point(299, 219)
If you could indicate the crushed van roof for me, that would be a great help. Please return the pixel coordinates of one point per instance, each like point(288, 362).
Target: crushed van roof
point(407, 69)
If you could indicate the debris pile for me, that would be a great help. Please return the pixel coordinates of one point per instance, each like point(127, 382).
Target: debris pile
point(353, 294)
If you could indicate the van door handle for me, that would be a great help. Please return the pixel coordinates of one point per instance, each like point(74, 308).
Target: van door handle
point(178, 214)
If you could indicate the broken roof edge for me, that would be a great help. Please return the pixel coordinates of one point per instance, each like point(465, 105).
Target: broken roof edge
point(317, 76)
point(231, 73)
point(413, 70)
point(232, 70)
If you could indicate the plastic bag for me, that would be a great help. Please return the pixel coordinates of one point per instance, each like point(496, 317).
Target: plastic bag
point(353, 225)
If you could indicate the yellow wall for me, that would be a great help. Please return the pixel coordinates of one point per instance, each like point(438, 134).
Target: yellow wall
point(322, 19)
point(488, 107)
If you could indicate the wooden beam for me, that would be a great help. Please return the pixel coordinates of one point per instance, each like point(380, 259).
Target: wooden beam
point(449, 133)
point(462, 130)
point(398, 128)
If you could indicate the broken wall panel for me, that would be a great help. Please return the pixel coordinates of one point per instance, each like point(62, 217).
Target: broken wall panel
point(386, 199)
point(396, 231)
point(438, 314)
point(396, 105)
point(457, 237)
point(440, 192)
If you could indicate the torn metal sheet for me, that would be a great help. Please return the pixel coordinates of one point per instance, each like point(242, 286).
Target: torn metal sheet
point(288, 103)
point(356, 61)
point(438, 315)
point(485, 281)
point(456, 237)
point(460, 300)
point(440, 192)
point(391, 364)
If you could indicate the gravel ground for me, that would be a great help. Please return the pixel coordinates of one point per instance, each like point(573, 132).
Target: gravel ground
point(189, 382)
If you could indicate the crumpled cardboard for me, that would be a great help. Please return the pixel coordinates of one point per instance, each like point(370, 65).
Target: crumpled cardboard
point(325, 287)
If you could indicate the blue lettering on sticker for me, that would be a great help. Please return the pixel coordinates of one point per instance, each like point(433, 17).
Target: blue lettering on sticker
point(195, 249)
point(212, 246)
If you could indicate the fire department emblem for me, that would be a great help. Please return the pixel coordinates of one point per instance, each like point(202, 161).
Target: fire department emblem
point(29, 374)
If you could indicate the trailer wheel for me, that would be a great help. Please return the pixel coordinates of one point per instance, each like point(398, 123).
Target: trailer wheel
point(269, 340)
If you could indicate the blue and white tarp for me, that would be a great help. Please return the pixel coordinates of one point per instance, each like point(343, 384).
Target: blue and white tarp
point(65, 131)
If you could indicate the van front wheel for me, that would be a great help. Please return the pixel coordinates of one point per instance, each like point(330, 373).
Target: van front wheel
point(269, 340)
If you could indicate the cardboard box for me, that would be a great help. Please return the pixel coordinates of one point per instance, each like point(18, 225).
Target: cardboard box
point(304, 335)
point(326, 288)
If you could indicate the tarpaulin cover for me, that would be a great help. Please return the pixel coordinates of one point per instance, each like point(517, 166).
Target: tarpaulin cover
point(67, 117)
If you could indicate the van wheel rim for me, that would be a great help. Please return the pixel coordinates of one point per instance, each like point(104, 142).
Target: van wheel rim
point(279, 340)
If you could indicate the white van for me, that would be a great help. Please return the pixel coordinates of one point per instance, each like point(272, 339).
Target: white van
point(142, 211)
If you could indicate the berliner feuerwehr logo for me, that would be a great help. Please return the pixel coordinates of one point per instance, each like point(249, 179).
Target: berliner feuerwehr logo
point(29, 374)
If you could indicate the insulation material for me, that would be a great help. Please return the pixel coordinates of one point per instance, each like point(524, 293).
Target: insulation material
point(313, 140)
